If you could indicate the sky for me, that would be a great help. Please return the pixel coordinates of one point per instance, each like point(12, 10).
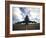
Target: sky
point(19, 13)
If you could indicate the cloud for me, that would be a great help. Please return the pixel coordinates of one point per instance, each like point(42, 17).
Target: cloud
point(19, 14)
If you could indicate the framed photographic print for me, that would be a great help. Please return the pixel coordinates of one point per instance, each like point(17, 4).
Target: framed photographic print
point(24, 18)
